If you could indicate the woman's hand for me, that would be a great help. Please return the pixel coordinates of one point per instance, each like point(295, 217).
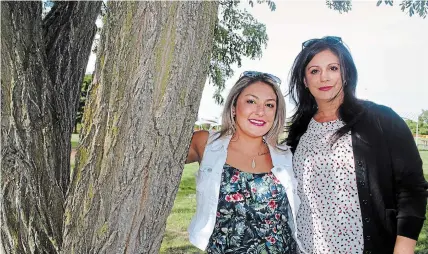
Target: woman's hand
point(404, 245)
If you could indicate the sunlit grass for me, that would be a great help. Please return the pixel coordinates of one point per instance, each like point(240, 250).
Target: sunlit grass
point(74, 141)
point(176, 238)
point(422, 245)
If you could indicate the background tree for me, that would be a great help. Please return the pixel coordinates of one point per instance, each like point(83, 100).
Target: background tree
point(237, 34)
point(423, 122)
point(411, 124)
point(423, 117)
point(411, 7)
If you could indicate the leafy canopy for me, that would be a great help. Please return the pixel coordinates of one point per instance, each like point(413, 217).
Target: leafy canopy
point(237, 34)
point(410, 7)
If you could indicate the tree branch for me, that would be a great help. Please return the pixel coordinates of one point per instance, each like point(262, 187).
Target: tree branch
point(42, 71)
point(68, 30)
point(31, 201)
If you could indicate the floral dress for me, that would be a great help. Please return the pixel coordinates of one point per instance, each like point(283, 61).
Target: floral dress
point(253, 215)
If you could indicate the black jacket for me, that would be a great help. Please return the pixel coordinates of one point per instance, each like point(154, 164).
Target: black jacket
point(391, 186)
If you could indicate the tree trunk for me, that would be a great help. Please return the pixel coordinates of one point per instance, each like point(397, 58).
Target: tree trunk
point(43, 62)
point(151, 68)
point(69, 30)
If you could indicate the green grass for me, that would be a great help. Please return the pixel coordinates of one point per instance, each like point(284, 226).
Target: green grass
point(176, 238)
point(424, 156)
point(422, 244)
point(74, 140)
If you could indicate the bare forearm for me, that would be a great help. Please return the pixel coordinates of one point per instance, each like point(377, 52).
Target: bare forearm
point(404, 245)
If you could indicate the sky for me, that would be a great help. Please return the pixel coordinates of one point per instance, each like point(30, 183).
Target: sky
point(390, 50)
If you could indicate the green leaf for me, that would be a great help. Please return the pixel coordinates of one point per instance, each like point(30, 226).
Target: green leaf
point(339, 5)
point(410, 6)
point(237, 34)
point(413, 6)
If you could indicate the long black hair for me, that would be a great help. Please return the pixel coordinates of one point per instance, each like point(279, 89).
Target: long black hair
point(350, 109)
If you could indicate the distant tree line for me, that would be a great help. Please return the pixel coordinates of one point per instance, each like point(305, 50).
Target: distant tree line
point(423, 123)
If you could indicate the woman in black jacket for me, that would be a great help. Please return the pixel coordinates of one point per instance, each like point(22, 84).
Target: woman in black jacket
point(360, 176)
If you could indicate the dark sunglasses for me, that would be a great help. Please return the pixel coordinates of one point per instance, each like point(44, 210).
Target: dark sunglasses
point(254, 74)
point(328, 39)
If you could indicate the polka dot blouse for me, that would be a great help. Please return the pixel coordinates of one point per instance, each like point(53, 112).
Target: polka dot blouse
point(329, 217)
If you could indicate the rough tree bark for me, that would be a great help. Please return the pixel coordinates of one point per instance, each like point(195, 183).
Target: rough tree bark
point(151, 68)
point(43, 63)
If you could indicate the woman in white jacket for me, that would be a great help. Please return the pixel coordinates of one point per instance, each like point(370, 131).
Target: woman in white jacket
point(246, 189)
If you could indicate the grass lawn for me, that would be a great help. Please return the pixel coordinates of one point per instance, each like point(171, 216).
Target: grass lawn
point(176, 239)
point(424, 155)
point(74, 140)
point(74, 144)
point(422, 245)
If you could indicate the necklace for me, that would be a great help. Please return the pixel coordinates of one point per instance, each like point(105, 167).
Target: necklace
point(253, 162)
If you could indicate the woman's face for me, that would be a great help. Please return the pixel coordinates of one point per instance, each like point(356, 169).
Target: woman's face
point(323, 76)
point(255, 110)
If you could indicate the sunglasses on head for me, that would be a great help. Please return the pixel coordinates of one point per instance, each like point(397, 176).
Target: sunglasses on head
point(254, 74)
point(328, 39)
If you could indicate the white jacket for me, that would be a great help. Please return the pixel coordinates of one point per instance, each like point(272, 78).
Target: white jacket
point(208, 187)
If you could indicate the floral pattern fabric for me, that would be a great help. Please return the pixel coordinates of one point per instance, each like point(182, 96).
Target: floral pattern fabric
point(253, 215)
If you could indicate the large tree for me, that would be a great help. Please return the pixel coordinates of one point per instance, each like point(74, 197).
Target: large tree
point(151, 67)
point(43, 62)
